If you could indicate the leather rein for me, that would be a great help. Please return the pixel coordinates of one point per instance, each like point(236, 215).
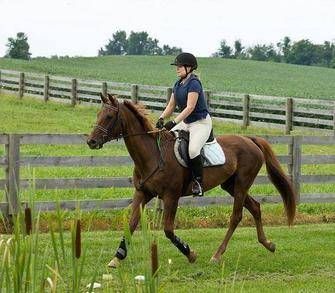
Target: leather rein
point(109, 136)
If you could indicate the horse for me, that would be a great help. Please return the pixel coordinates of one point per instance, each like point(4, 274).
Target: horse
point(158, 174)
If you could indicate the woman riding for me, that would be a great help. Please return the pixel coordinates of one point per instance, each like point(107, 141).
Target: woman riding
point(194, 117)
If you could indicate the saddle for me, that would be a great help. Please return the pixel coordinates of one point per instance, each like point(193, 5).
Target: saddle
point(211, 153)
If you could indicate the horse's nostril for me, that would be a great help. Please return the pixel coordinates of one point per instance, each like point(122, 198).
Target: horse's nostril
point(91, 142)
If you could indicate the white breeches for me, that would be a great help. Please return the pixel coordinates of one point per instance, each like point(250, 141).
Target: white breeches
point(199, 133)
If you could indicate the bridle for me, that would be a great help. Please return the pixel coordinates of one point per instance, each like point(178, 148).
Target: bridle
point(118, 120)
point(109, 136)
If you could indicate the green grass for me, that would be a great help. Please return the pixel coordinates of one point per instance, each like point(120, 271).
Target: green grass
point(304, 260)
point(217, 74)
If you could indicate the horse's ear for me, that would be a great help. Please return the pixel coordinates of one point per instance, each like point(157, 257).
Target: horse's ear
point(103, 98)
point(113, 99)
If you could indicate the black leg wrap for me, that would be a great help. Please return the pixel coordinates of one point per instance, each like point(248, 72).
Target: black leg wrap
point(183, 247)
point(121, 252)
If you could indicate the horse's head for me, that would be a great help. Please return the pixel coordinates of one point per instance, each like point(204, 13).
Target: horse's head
point(108, 125)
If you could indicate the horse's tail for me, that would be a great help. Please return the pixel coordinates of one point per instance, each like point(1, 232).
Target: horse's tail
point(278, 177)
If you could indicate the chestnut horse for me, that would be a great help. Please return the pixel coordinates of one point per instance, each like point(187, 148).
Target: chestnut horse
point(157, 172)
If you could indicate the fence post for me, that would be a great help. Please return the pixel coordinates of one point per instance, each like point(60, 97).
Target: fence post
point(208, 98)
point(296, 164)
point(134, 93)
point(13, 173)
point(21, 85)
point(46, 88)
point(168, 94)
point(104, 89)
point(246, 111)
point(289, 115)
point(74, 92)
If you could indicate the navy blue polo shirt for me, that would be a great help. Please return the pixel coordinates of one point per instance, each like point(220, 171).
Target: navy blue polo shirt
point(181, 91)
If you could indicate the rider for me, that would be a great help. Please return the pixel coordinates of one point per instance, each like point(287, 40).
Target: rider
point(194, 117)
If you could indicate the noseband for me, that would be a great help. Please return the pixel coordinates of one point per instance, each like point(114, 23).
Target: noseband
point(118, 120)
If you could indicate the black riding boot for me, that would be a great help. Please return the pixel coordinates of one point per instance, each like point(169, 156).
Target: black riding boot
point(196, 167)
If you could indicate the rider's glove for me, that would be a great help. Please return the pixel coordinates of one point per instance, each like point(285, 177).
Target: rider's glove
point(170, 124)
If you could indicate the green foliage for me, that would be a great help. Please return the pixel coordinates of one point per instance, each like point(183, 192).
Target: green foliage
point(224, 51)
point(138, 43)
point(302, 52)
point(116, 46)
point(263, 53)
point(18, 47)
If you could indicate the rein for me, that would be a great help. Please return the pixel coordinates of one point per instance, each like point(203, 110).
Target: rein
point(110, 137)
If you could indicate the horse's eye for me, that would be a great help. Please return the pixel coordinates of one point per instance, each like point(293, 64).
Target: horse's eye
point(109, 116)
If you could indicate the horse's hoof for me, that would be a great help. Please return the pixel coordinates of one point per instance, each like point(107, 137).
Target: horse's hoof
point(114, 263)
point(214, 259)
point(272, 247)
point(192, 256)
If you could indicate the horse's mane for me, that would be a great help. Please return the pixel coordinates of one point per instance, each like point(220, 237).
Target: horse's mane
point(141, 113)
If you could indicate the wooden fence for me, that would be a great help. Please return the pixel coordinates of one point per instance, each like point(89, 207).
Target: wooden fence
point(13, 161)
point(247, 108)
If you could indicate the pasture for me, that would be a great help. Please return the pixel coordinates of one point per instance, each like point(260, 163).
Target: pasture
point(217, 74)
point(304, 261)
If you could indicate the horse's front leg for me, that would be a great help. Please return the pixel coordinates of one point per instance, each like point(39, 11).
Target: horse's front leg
point(170, 209)
point(121, 253)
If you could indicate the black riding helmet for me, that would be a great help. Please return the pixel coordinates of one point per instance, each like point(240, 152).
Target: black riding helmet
point(186, 59)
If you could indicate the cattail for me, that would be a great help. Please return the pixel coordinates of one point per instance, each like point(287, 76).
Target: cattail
point(28, 220)
point(154, 258)
point(78, 240)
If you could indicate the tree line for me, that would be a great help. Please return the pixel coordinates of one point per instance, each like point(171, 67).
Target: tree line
point(302, 52)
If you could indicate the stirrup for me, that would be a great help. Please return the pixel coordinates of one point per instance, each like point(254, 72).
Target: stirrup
point(197, 190)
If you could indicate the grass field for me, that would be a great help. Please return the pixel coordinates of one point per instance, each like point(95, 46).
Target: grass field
point(217, 74)
point(303, 262)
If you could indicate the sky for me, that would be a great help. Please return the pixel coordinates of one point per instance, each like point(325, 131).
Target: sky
point(82, 27)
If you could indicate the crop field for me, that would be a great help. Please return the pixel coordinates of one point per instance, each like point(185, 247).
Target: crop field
point(217, 74)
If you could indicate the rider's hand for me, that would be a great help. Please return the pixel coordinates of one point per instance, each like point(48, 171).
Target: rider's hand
point(160, 123)
point(170, 124)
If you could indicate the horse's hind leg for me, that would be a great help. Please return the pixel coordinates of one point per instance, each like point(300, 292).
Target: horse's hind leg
point(239, 196)
point(170, 209)
point(254, 208)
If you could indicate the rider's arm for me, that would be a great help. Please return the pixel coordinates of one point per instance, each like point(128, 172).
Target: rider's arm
point(169, 108)
point(192, 99)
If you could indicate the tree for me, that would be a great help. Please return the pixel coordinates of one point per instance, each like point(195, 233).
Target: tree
point(238, 48)
point(284, 48)
point(137, 43)
point(263, 53)
point(18, 48)
point(168, 51)
point(116, 46)
point(151, 47)
point(303, 52)
point(328, 53)
point(224, 51)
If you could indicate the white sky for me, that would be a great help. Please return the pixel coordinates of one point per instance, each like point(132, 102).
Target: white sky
point(81, 27)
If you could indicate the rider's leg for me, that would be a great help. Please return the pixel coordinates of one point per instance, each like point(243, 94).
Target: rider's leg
point(199, 133)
